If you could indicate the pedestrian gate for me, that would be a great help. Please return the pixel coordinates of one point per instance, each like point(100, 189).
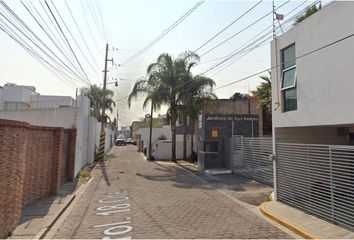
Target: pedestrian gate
point(318, 179)
point(250, 158)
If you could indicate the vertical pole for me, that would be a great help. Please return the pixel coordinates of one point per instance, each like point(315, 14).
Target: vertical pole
point(273, 20)
point(102, 145)
point(76, 97)
point(150, 137)
point(104, 89)
point(273, 128)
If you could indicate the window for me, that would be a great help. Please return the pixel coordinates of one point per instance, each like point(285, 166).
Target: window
point(288, 83)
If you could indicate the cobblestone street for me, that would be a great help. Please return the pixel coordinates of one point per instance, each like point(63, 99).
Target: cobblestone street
point(131, 197)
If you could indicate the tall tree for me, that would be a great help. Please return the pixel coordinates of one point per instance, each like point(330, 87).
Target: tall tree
point(96, 96)
point(153, 91)
point(263, 94)
point(197, 93)
point(168, 74)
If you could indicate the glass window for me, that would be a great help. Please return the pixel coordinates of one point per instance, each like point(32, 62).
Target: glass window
point(290, 99)
point(288, 83)
point(288, 57)
point(289, 78)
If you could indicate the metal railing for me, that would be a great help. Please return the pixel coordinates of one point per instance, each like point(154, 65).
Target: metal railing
point(251, 158)
point(318, 179)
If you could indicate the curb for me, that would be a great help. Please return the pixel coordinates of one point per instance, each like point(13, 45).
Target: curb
point(43, 232)
point(284, 222)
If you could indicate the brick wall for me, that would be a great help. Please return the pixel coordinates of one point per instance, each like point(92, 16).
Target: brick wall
point(30, 159)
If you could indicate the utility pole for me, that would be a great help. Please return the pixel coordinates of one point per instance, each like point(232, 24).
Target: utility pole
point(151, 118)
point(274, 36)
point(103, 135)
point(104, 88)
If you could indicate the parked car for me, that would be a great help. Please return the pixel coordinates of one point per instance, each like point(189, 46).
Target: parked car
point(120, 142)
point(129, 141)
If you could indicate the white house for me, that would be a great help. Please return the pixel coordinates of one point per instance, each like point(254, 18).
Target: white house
point(313, 116)
point(17, 97)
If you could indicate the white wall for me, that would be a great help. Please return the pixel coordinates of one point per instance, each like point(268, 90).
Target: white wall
point(156, 133)
point(54, 117)
point(325, 78)
point(109, 139)
point(92, 135)
point(162, 150)
point(1, 99)
point(82, 126)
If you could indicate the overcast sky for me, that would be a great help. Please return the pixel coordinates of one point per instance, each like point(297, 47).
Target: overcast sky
point(129, 26)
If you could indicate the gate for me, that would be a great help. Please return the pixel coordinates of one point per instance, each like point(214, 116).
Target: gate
point(318, 179)
point(250, 158)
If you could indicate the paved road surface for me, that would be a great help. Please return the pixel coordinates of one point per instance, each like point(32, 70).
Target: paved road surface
point(130, 197)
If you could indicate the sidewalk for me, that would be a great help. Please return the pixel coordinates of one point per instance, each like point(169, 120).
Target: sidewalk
point(244, 189)
point(306, 225)
point(37, 218)
point(250, 192)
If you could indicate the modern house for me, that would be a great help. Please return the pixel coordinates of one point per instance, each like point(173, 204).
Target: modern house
point(18, 97)
point(313, 120)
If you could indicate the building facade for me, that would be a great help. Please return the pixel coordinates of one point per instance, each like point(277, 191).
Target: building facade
point(313, 120)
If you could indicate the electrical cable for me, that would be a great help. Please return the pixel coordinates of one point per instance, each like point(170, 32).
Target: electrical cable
point(228, 26)
point(73, 38)
point(247, 27)
point(164, 33)
point(50, 37)
point(67, 41)
point(279, 65)
point(82, 37)
point(25, 35)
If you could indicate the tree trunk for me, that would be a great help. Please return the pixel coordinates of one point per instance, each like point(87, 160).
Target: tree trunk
point(173, 130)
point(184, 136)
point(192, 138)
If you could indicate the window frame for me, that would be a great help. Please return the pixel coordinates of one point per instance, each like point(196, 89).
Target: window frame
point(283, 71)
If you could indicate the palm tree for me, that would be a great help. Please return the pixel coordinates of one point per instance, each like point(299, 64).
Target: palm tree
point(197, 93)
point(263, 95)
point(309, 11)
point(96, 96)
point(201, 97)
point(153, 90)
point(168, 74)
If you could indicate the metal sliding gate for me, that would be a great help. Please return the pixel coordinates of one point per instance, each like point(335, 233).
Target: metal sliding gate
point(250, 158)
point(318, 179)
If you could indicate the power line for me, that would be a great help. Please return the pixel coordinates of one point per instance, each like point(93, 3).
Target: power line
point(301, 56)
point(245, 49)
point(100, 17)
point(67, 41)
point(73, 38)
point(82, 37)
point(228, 26)
point(89, 29)
point(247, 27)
point(258, 42)
point(53, 41)
point(35, 55)
point(164, 33)
point(25, 35)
